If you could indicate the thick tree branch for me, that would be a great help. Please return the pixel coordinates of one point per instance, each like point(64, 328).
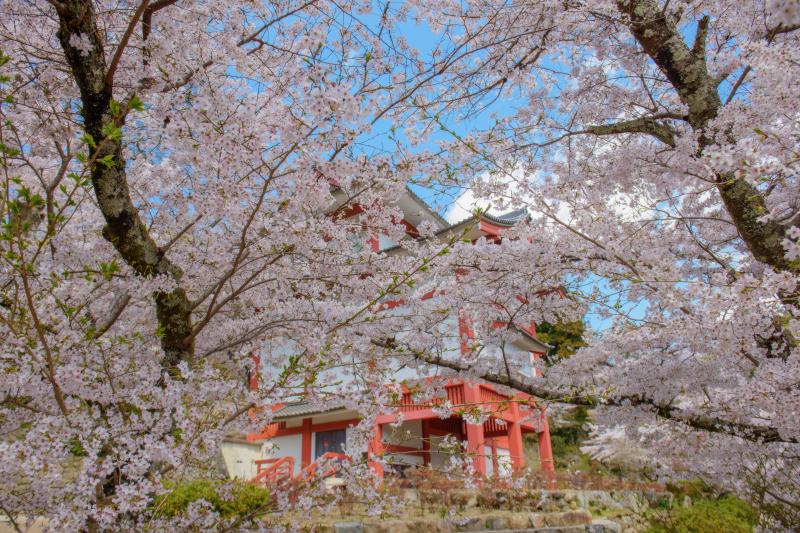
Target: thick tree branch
point(648, 125)
point(699, 46)
point(147, 18)
point(684, 68)
point(667, 411)
point(123, 43)
point(687, 72)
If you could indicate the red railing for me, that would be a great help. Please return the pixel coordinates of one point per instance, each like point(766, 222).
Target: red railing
point(273, 471)
point(491, 396)
point(332, 460)
point(454, 393)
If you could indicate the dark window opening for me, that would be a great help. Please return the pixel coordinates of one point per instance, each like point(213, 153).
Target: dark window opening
point(329, 441)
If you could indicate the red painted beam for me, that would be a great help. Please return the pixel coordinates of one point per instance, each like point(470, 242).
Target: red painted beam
point(426, 443)
point(305, 455)
point(397, 448)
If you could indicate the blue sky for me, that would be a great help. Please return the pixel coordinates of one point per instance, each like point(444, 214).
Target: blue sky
point(420, 36)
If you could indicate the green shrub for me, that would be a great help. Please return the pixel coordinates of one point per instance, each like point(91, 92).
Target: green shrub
point(694, 488)
point(246, 499)
point(728, 514)
point(566, 440)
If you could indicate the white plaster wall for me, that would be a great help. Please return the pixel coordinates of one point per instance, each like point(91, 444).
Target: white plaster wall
point(239, 459)
point(405, 459)
point(407, 434)
point(385, 242)
point(438, 459)
point(287, 445)
point(503, 461)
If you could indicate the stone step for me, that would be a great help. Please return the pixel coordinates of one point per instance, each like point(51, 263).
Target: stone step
point(597, 526)
point(579, 521)
point(565, 529)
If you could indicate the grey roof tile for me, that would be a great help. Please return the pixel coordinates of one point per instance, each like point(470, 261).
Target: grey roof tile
point(293, 409)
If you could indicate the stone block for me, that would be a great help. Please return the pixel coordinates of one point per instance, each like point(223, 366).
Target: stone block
point(497, 522)
point(575, 518)
point(562, 529)
point(348, 527)
point(387, 526)
point(518, 521)
point(427, 525)
point(603, 526)
point(464, 498)
point(473, 523)
point(579, 517)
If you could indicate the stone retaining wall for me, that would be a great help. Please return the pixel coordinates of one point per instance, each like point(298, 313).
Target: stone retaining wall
point(507, 510)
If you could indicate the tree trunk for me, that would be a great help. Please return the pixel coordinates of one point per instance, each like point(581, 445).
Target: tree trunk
point(686, 70)
point(124, 228)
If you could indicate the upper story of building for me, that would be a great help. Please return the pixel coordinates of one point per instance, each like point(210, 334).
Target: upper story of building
point(519, 346)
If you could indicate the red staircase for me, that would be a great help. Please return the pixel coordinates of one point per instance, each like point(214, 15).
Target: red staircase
point(327, 458)
point(280, 469)
point(273, 471)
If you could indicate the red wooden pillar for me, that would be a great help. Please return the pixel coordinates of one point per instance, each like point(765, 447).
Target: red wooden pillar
point(426, 443)
point(475, 439)
point(374, 243)
point(305, 457)
point(376, 450)
point(546, 452)
point(515, 448)
point(465, 332)
point(254, 372)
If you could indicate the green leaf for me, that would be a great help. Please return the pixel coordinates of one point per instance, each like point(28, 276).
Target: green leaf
point(108, 269)
point(107, 161)
point(89, 140)
point(112, 131)
point(136, 103)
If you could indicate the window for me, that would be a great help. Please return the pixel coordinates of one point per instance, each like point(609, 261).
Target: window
point(329, 441)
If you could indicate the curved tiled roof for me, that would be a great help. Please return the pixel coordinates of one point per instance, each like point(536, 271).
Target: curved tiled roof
point(425, 206)
point(303, 408)
point(510, 218)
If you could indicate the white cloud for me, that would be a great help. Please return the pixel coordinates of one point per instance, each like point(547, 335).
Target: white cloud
point(463, 206)
point(508, 188)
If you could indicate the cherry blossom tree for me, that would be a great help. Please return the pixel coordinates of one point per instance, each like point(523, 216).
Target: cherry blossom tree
point(189, 182)
point(655, 145)
point(177, 182)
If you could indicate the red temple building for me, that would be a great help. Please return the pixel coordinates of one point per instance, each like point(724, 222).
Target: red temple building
point(301, 434)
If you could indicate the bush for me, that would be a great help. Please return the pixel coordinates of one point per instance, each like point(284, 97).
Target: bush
point(245, 499)
point(567, 438)
point(727, 513)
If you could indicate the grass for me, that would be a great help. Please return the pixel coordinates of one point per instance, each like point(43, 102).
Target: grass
point(727, 513)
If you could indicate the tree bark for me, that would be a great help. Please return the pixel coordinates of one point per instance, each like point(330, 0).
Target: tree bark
point(124, 228)
point(686, 70)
